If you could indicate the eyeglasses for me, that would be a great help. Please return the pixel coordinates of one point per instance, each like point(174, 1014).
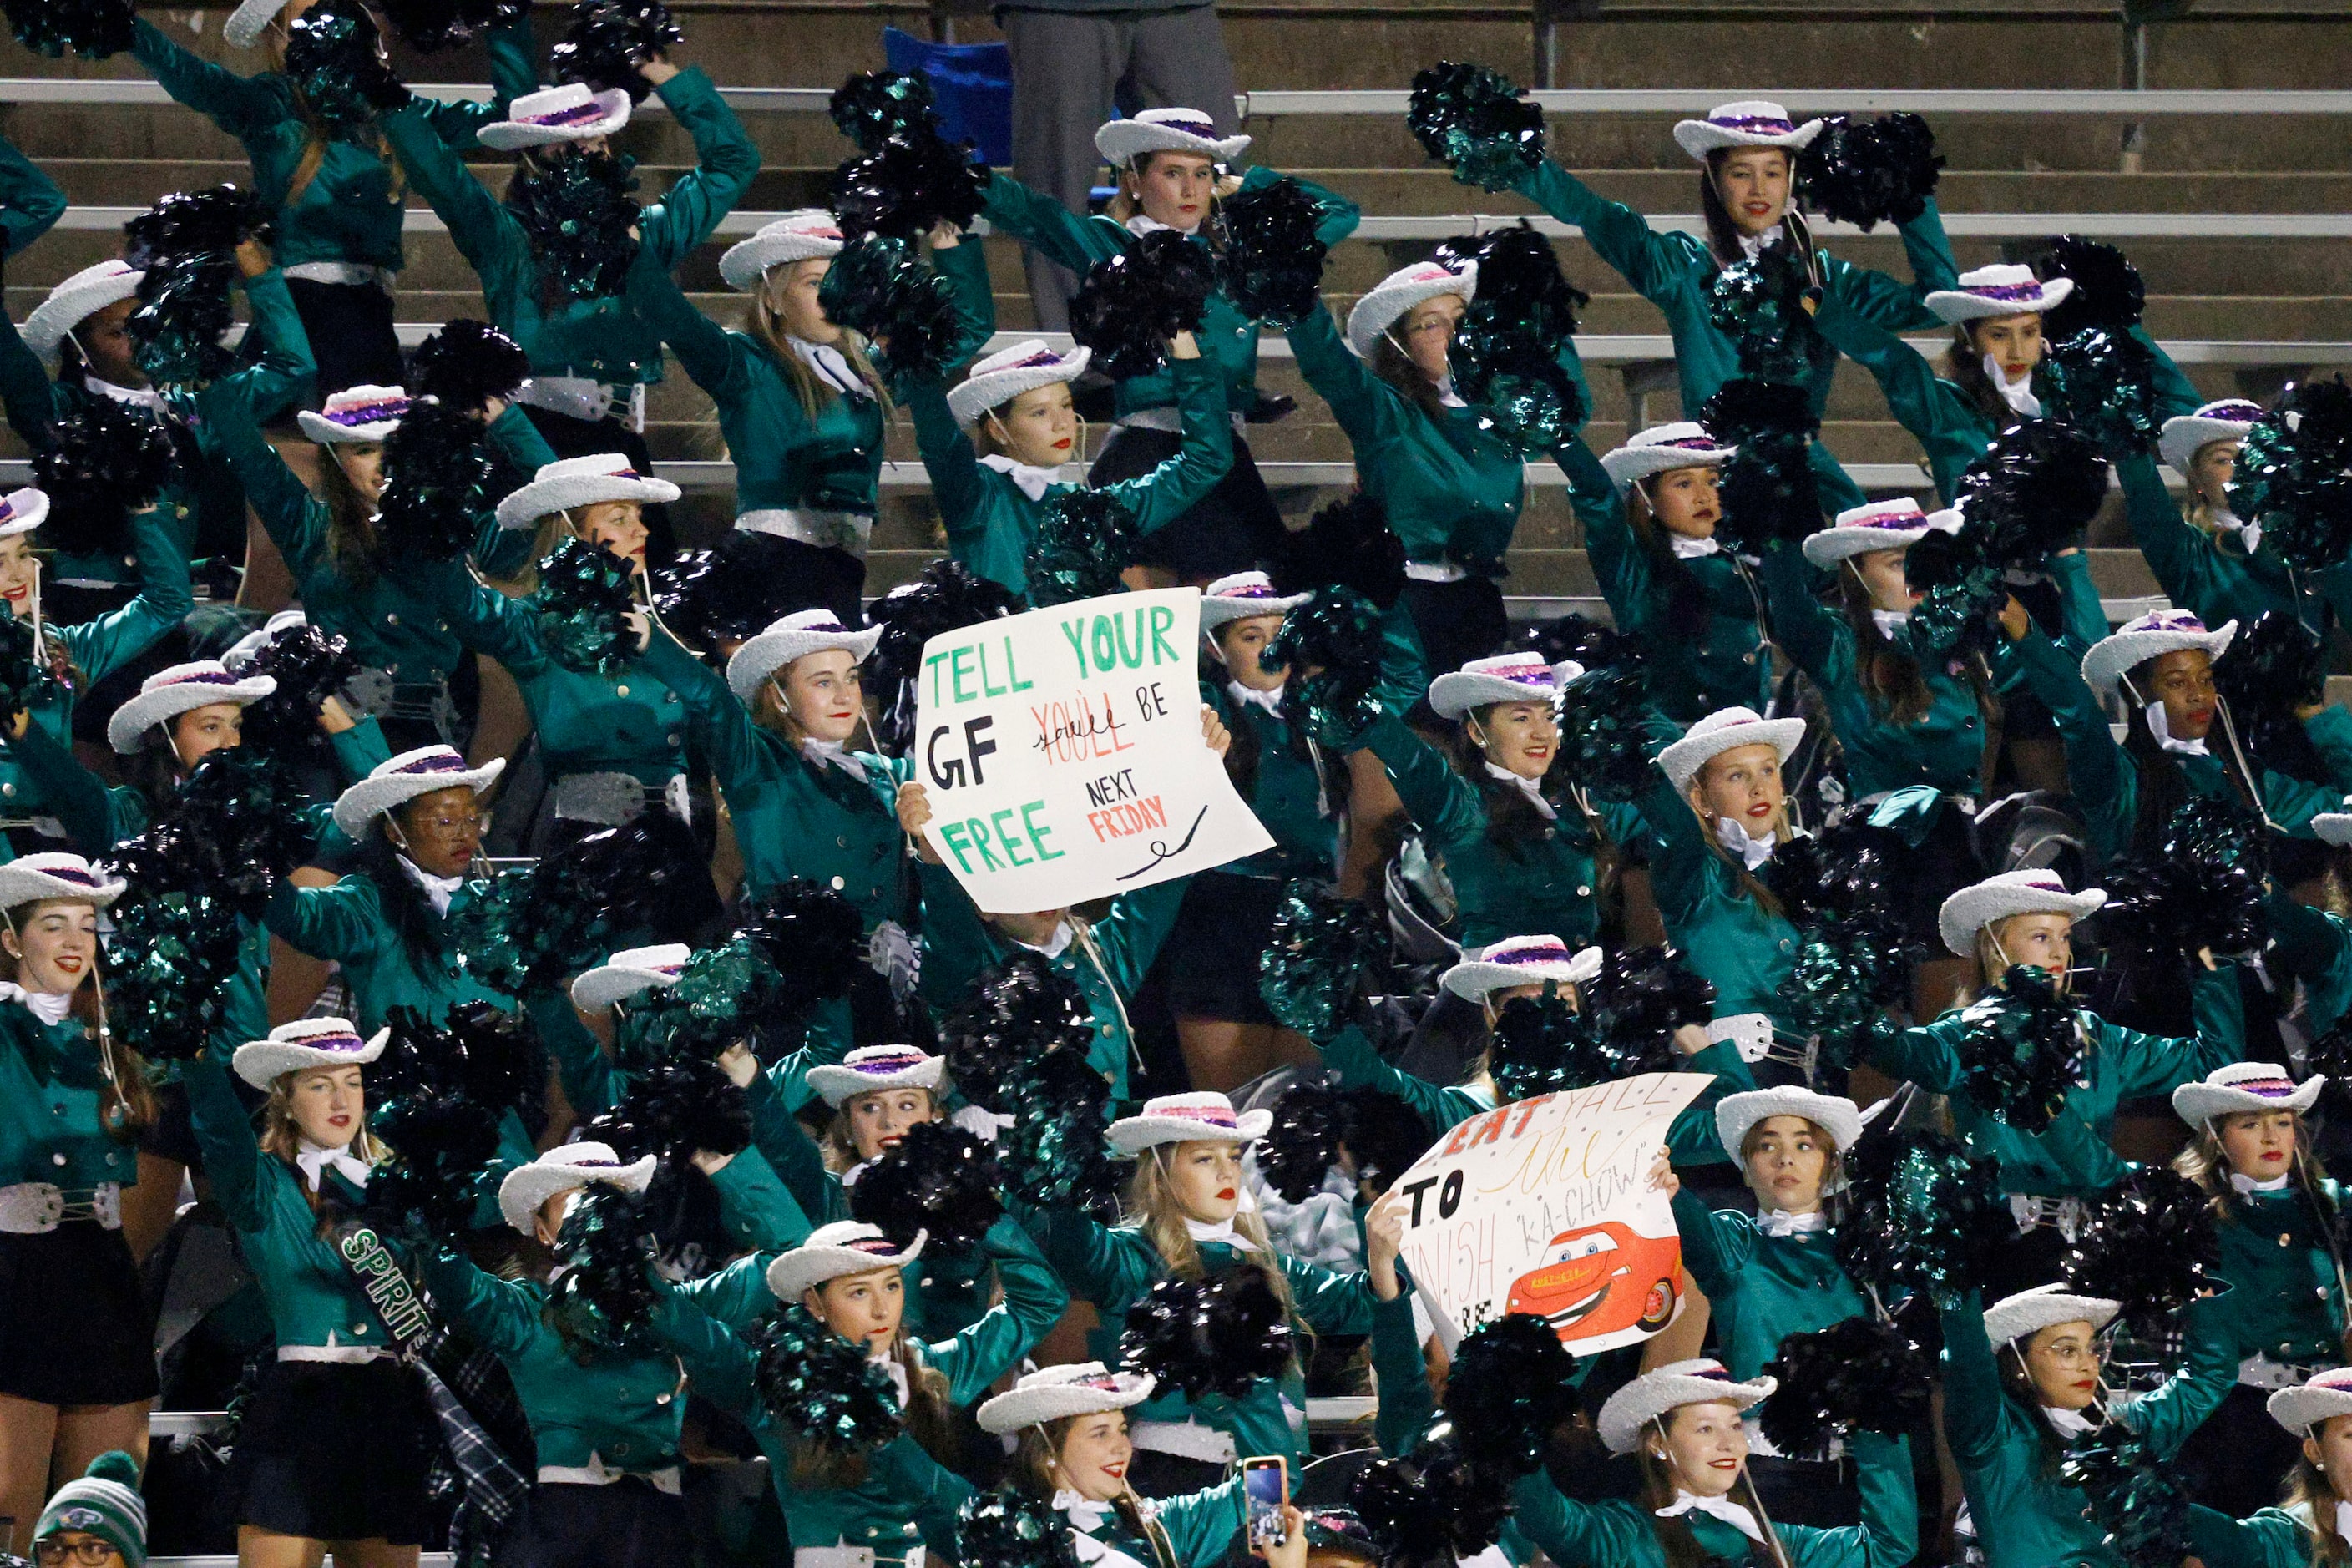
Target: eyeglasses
point(1435, 324)
point(452, 827)
point(90, 1550)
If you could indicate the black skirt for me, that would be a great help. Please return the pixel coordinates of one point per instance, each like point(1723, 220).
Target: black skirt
point(75, 1328)
point(335, 1451)
point(627, 1524)
point(1222, 928)
point(1233, 528)
point(351, 330)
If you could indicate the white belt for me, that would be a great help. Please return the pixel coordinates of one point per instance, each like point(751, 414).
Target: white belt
point(339, 1355)
point(852, 1557)
point(1185, 1439)
point(348, 273)
point(2261, 1372)
point(1169, 420)
point(1433, 571)
point(1751, 1033)
point(826, 529)
point(582, 398)
point(36, 1208)
point(2064, 1214)
point(595, 1473)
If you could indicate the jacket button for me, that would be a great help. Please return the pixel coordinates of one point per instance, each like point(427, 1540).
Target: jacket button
point(671, 739)
point(7, 789)
point(2287, 1241)
point(838, 884)
point(56, 1159)
point(358, 1328)
point(391, 619)
point(840, 844)
point(1584, 891)
point(620, 691)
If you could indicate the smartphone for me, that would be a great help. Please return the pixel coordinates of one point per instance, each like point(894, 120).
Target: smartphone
point(1265, 1489)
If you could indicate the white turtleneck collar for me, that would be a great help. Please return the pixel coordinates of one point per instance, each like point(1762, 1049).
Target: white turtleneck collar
point(2018, 393)
point(1140, 226)
point(438, 890)
point(47, 1006)
point(1778, 1222)
point(133, 396)
point(1033, 482)
point(2158, 727)
point(832, 754)
point(314, 1159)
point(2067, 1422)
point(2244, 1184)
point(1752, 852)
point(1270, 700)
point(1689, 549)
point(831, 366)
point(1890, 622)
point(1721, 1508)
point(1446, 396)
point(1532, 788)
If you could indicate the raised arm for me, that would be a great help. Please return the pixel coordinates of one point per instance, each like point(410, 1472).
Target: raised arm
point(338, 922)
point(1440, 799)
point(721, 728)
point(958, 483)
point(501, 1314)
point(485, 233)
point(1171, 489)
point(2178, 551)
point(1581, 1534)
point(223, 1131)
point(102, 646)
point(1715, 1247)
point(94, 816)
point(704, 348)
point(1048, 228)
point(1972, 1393)
point(1034, 1301)
point(727, 159)
point(513, 74)
point(1335, 216)
point(1443, 1107)
point(282, 370)
point(295, 520)
point(2098, 773)
point(1922, 402)
point(1110, 1267)
point(1888, 1535)
point(1890, 302)
point(1804, 627)
point(242, 106)
point(1655, 264)
point(30, 202)
point(1366, 407)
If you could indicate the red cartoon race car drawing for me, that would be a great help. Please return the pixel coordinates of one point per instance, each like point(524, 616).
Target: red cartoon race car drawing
point(1601, 1279)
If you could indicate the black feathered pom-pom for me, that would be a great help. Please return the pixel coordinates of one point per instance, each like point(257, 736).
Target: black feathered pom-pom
point(183, 313)
point(2107, 292)
point(2295, 474)
point(94, 29)
point(535, 923)
point(1868, 171)
point(442, 1141)
point(1432, 1508)
point(436, 476)
point(1603, 733)
point(608, 40)
point(2036, 488)
point(1272, 265)
point(1019, 1013)
point(2023, 1048)
point(2166, 910)
point(1008, 1529)
point(1348, 544)
point(466, 364)
point(945, 598)
point(874, 106)
point(1856, 1375)
point(429, 27)
point(603, 1298)
point(809, 933)
point(1641, 995)
point(2147, 1244)
point(575, 206)
point(170, 956)
point(1840, 870)
point(2135, 1497)
point(1921, 1216)
point(1341, 638)
point(1769, 488)
point(1318, 955)
point(1127, 306)
point(938, 1178)
point(334, 60)
point(26, 675)
point(729, 592)
point(877, 289)
point(1084, 541)
point(1542, 1046)
point(583, 602)
point(1505, 354)
point(108, 461)
point(211, 222)
point(1472, 118)
point(909, 183)
point(233, 830)
point(1580, 640)
point(821, 1386)
point(1512, 1383)
point(1209, 1336)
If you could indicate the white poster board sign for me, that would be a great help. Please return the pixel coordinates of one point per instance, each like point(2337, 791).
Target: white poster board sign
point(1545, 1205)
point(1062, 752)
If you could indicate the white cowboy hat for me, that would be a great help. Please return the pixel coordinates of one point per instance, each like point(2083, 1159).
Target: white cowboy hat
point(356, 414)
point(303, 1043)
point(2028, 892)
point(1242, 595)
point(242, 651)
point(560, 1169)
point(2244, 1085)
point(1073, 1388)
point(570, 113)
point(2333, 828)
point(1520, 960)
point(1504, 677)
point(2003, 288)
point(250, 20)
point(403, 778)
point(1002, 377)
point(94, 287)
point(1651, 1395)
point(2186, 435)
point(629, 971)
point(581, 481)
point(1727, 729)
point(22, 511)
point(1202, 1117)
point(844, 1247)
point(2029, 1312)
point(1833, 1114)
point(807, 234)
point(1122, 141)
point(182, 688)
point(869, 1069)
point(2152, 636)
point(2304, 1406)
point(1663, 447)
point(1750, 122)
point(53, 874)
point(1894, 525)
point(1398, 292)
point(798, 635)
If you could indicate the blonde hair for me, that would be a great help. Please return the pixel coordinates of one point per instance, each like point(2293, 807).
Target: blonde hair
point(817, 1466)
point(1152, 1208)
point(840, 1145)
point(765, 326)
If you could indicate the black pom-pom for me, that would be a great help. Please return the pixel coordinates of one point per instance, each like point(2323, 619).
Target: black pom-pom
point(2022, 1049)
point(1381, 1136)
point(1867, 171)
point(2035, 489)
point(874, 106)
point(1762, 305)
point(1127, 306)
point(877, 289)
point(1340, 635)
point(1856, 1375)
point(1505, 354)
point(2107, 292)
point(183, 313)
point(1019, 1013)
point(1302, 1143)
point(729, 592)
point(2269, 670)
point(1084, 541)
point(107, 462)
point(1209, 1336)
point(907, 183)
point(94, 29)
point(1474, 119)
point(466, 364)
point(2166, 910)
point(607, 42)
point(1271, 266)
point(234, 828)
point(1962, 593)
point(533, 924)
point(1432, 1508)
point(583, 602)
point(938, 1178)
point(2103, 383)
point(1921, 1216)
point(1317, 954)
point(429, 27)
point(1542, 1046)
point(809, 935)
point(1580, 640)
point(1854, 958)
point(169, 959)
point(675, 1109)
point(575, 206)
point(1603, 733)
point(1641, 995)
point(603, 1297)
point(335, 62)
point(1009, 1528)
point(1348, 544)
point(1840, 870)
point(436, 476)
point(2147, 1244)
point(2135, 1497)
point(2294, 475)
point(441, 1135)
point(1053, 1156)
point(1769, 488)
point(1512, 1383)
point(2220, 830)
point(821, 1386)
point(211, 222)
point(945, 597)
point(26, 675)
point(310, 666)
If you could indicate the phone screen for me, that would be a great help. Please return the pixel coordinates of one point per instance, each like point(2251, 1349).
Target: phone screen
point(1265, 1483)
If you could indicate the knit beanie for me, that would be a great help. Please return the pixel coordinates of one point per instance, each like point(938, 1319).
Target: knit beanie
point(105, 1503)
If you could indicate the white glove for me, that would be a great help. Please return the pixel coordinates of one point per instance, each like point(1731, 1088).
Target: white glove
point(982, 1123)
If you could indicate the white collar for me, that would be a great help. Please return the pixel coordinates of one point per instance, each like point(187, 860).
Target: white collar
point(1053, 949)
point(314, 1161)
point(1778, 1222)
point(1271, 700)
point(1752, 852)
point(2018, 393)
point(896, 1369)
point(50, 1008)
point(1447, 396)
point(831, 366)
point(134, 397)
point(2157, 727)
point(1532, 788)
point(2067, 1422)
point(1721, 1508)
point(1689, 549)
point(1224, 1232)
point(1139, 225)
point(438, 890)
point(2250, 534)
point(1889, 622)
point(1033, 481)
point(2248, 1184)
point(1751, 246)
point(849, 1177)
point(1083, 1512)
point(832, 754)
point(2344, 1521)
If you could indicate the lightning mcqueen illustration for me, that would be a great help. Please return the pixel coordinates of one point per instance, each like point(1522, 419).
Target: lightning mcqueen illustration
point(1600, 1279)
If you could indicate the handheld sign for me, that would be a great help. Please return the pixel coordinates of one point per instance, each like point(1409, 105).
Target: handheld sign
point(1062, 754)
point(1545, 1205)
